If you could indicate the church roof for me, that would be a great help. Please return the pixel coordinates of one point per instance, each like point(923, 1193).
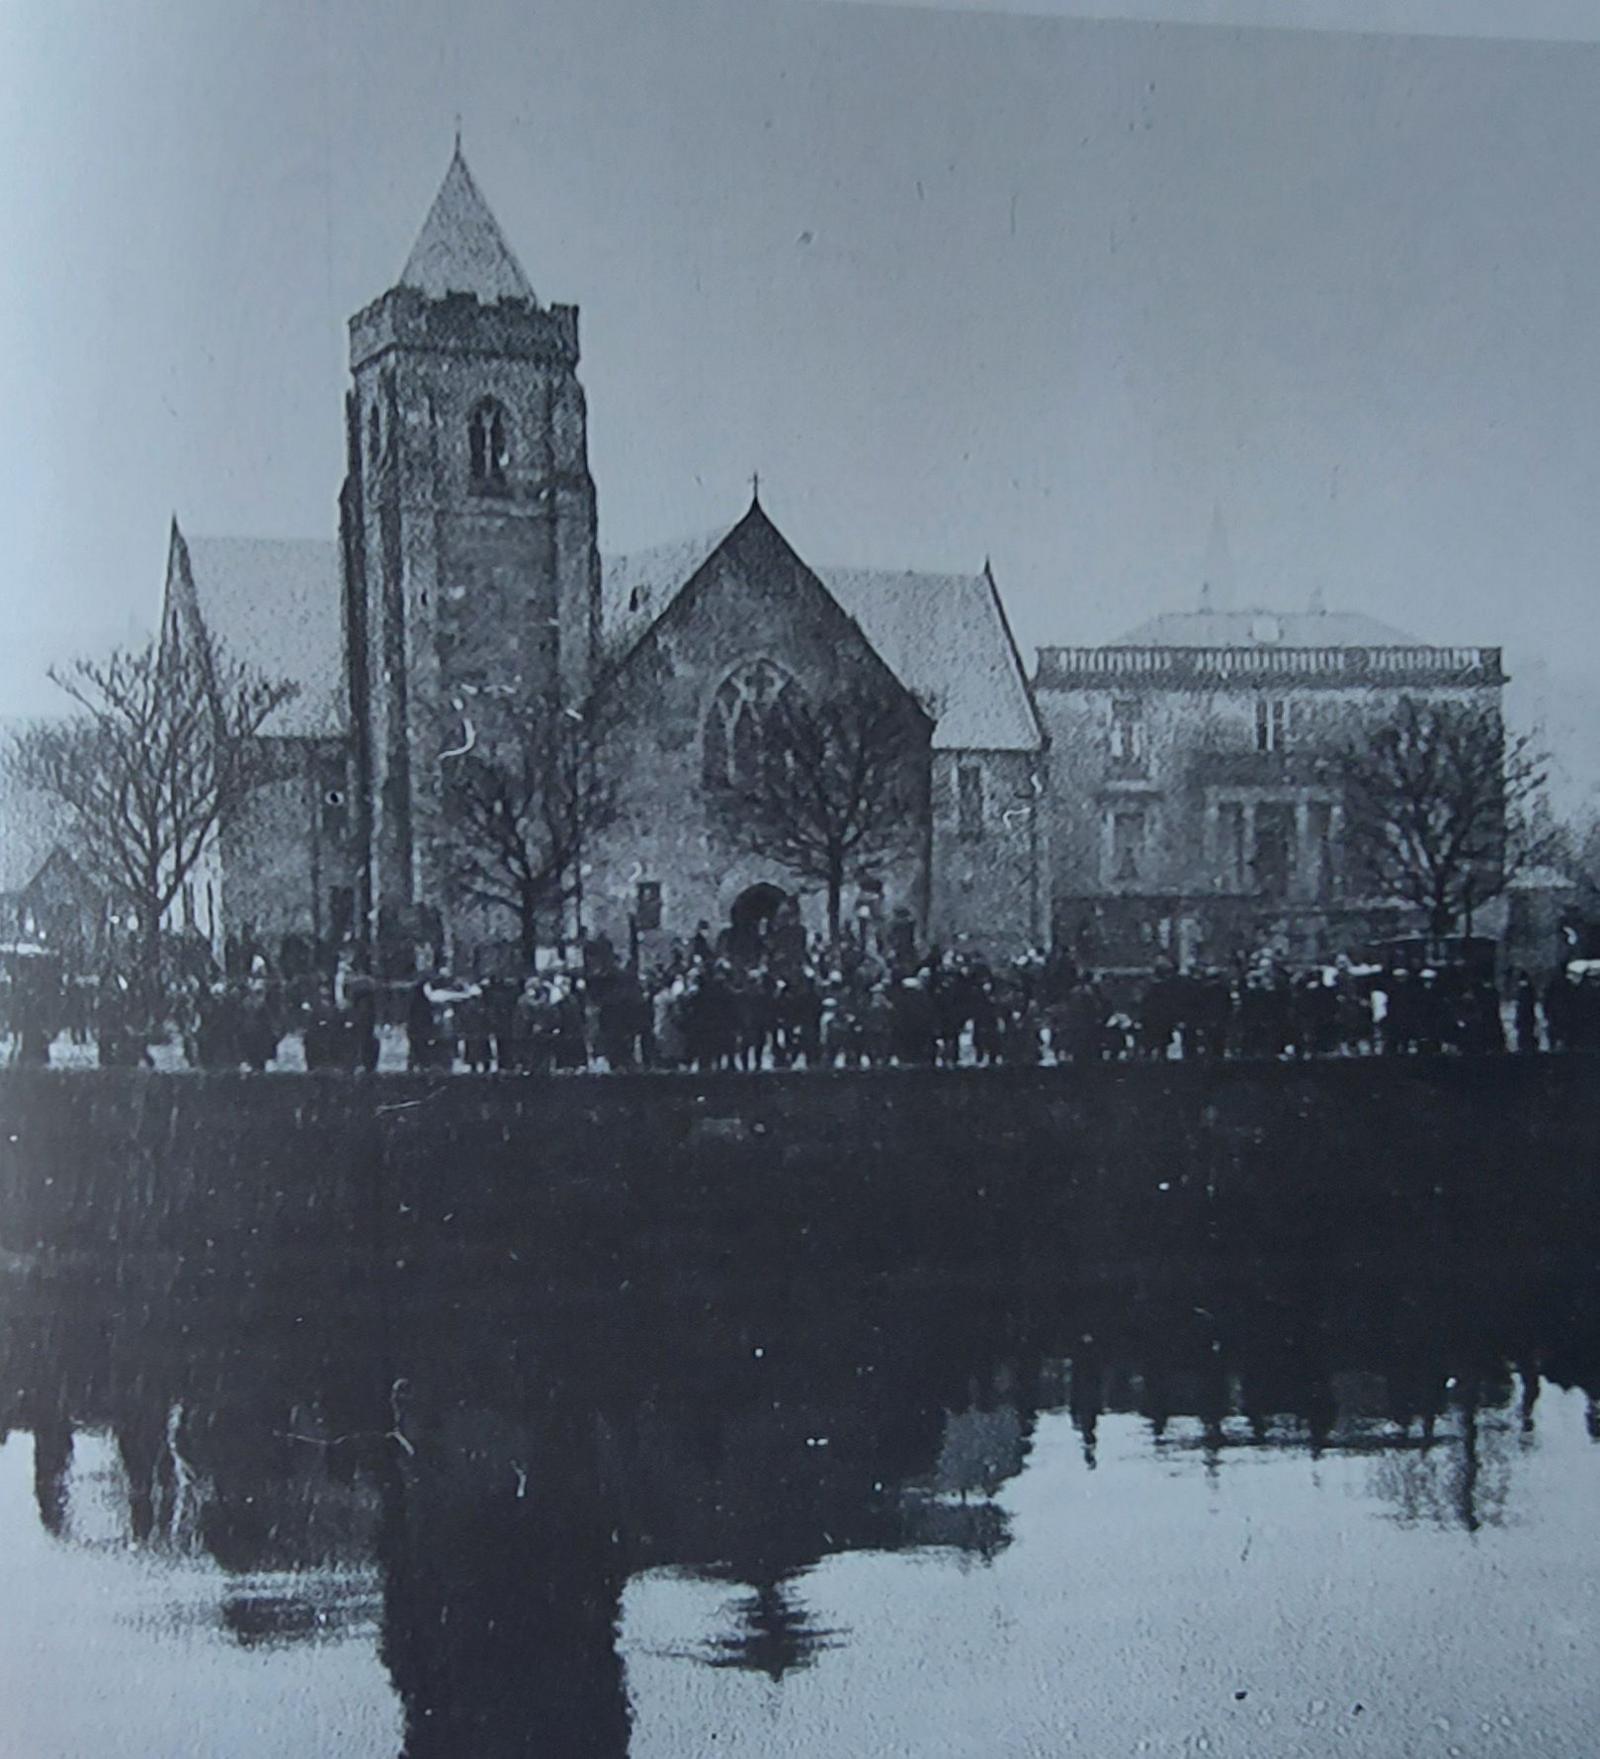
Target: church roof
point(461, 248)
point(32, 825)
point(1264, 628)
point(944, 636)
point(275, 604)
point(636, 588)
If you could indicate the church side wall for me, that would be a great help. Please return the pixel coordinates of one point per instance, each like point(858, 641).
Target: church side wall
point(989, 874)
point(287, 862)
point(269, 885)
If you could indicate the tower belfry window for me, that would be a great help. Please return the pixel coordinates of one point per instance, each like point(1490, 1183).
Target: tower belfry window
point(488, 445)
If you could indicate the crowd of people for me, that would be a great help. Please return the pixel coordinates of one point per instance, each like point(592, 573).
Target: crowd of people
point(787, 1002)
point(705, 1009)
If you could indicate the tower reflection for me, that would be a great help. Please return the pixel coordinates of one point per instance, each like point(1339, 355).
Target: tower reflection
point(482, 1462)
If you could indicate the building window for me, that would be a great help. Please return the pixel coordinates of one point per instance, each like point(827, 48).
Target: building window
point(488, 445)
point(374, 435)
point(1128, 829)
point(1273, 858)
point(1231, 853)
point(1272, 723)
point(969, 801)
point(738, 723)
point(647, 906)
point(1127, 735)
point(1320, 851)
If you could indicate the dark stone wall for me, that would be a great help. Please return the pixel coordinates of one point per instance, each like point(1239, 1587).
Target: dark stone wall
point(875, 1168)
point(468, 586)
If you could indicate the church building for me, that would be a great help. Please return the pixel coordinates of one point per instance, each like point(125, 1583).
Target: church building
point(468, 576)
point(1174, 794)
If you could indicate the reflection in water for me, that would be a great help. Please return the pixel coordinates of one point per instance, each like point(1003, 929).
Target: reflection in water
point(773, 1633)
point(476, 1465)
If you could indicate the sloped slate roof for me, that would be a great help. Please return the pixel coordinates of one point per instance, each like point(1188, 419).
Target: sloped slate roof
point(461, 248)
point(275, 604)
point(1264, 628)
point(635, 589)
point(32, 824)
point(944, 636)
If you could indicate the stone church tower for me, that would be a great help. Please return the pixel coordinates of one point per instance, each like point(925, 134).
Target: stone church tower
point(468, 536)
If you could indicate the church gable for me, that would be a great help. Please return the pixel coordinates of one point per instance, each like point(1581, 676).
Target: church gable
point(944, 637)
point(752, 597)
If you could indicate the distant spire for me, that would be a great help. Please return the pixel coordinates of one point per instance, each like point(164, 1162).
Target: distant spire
point(461, 248)
point(1216, 577)
point(1319, 604)
point(755, 488)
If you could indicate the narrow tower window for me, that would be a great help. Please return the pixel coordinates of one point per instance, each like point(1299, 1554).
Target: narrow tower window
point(488, 445)
point(969, 801)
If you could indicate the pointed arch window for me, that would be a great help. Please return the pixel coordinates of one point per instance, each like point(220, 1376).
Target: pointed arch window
point(738, 723)
point(488, 445)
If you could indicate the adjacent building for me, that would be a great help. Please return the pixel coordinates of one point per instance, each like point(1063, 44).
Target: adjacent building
point(1196, 807)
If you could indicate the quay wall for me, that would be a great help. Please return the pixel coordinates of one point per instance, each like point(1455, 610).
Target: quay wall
point(226, 1173)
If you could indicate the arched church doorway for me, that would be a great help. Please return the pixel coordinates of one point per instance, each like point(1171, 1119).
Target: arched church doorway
point(750, 919)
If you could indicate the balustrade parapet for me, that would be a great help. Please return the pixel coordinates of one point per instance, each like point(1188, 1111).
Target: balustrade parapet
point(1411, 663)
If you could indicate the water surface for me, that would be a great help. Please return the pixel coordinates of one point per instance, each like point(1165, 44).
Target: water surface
point(1034, 1495)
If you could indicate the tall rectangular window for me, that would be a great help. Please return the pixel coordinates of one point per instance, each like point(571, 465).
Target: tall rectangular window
point(647, 906)
point(1232, 861)
point(1127, 735)
point(1273, 857)
point(1127, 845)
point(969, 801)
point(1272, 723)
point(1319, 829)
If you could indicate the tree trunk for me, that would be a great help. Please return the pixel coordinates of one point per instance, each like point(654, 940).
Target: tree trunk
point(1441, 919)
point(149, 961)
point(835, 903)
point(528, 933)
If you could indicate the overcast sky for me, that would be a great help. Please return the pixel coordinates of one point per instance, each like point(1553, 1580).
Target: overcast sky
point(1049, 290)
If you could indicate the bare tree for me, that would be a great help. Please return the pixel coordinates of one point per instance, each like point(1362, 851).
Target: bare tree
point(164, 749)
point(522, 804)
point(1442, 809)
point(836, 789)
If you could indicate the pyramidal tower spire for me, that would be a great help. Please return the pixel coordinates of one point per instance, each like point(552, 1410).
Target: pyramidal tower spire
point(461, 248)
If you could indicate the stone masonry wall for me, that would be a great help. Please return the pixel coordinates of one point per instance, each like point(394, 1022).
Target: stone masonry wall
point(754, 600)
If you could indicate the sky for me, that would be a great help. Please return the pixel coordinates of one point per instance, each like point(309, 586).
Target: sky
point(1053, 291)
